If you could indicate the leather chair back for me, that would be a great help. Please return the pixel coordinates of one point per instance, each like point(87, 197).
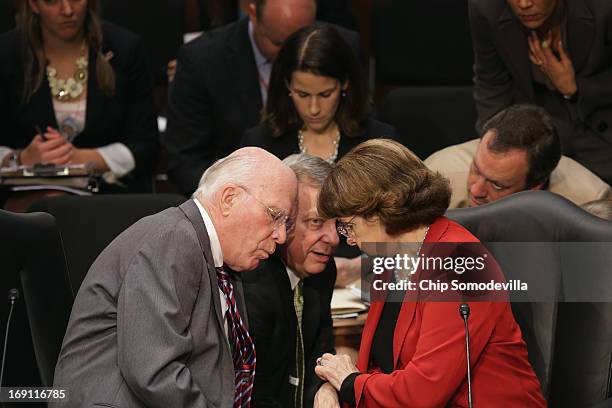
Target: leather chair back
point(89, 224)
point(569, 342)
point(34, 262)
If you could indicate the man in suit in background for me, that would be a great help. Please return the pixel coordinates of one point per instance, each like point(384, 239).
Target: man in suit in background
point(159, 321)
point(553, 53)
point(221, 85)
point(519, 150)
point(214, 13)
point(296, 283)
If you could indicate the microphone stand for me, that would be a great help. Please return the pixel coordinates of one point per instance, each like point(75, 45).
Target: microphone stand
point(464, 312)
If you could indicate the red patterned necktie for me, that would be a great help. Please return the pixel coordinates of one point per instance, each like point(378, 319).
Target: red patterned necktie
point(243, 348)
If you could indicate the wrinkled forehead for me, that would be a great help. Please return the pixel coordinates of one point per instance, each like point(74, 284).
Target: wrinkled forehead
point(308, 195)
point(279, 188)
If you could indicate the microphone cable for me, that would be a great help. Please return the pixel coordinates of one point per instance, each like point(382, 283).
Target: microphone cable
point(13, 295)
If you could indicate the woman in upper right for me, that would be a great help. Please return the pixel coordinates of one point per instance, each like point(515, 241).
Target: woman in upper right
point(413, 351)
point(318, 101)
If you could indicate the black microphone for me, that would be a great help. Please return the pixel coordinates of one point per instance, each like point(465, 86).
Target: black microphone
point(464, 312)
point(13, 296)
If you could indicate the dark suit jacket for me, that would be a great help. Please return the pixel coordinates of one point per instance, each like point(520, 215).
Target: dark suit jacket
point(272, 324)
point(127, 117)
point(146, 328)
point(214, 97)
point(287, 144)
point(503, 71)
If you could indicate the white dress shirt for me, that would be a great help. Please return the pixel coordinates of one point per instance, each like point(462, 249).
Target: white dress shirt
point(264, 67)
point(215, 248)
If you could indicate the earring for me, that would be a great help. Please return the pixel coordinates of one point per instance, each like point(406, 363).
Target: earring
point(290, 94)
point(343, 93)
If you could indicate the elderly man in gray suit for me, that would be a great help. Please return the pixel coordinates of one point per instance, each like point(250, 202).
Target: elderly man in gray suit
point(159, 321)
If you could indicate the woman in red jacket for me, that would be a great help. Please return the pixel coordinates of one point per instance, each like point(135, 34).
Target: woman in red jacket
point(413, 353)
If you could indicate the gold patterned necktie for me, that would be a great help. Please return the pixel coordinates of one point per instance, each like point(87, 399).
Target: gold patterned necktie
point(298, 303)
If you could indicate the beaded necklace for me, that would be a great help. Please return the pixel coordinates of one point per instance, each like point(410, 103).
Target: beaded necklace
point(332, 157)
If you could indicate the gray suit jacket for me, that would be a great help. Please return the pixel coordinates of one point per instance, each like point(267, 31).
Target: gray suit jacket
point(503, 72)
point(146, 328)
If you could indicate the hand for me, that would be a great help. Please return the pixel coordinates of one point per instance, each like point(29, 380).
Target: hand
point(349, 270)
point(53, 148)
point(560, 70)
point(335, 369)
point(171, 70)
point(326, 397)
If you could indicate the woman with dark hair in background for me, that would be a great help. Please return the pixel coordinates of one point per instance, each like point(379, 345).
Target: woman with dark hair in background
point(74, 90)
point(413, 352)
point(318, 101)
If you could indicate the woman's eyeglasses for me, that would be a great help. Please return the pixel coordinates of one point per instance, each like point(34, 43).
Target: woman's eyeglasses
point(346, 228)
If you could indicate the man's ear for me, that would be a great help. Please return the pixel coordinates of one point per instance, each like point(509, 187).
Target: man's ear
point(252, 12)
point(228, 195)
point(34, 6)
point(539, 186)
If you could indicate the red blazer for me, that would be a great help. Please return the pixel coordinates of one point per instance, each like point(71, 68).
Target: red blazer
point(430, 358)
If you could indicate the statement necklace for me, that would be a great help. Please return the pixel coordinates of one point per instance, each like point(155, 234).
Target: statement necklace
point(332, 157)
point(71, 88)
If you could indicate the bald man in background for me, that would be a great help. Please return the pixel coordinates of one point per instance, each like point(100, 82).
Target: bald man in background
point(221, 84)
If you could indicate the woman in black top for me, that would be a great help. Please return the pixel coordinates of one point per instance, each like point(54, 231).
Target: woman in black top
point(317, 99)
point(74, 90)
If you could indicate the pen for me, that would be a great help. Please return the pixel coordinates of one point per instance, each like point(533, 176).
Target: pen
point(37, 128)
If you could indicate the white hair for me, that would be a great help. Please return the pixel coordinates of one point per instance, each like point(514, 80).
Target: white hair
point(239, 168)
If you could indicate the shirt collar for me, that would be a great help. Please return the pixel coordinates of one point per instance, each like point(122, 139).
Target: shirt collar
point(215, 244)
point(259, 58)
point(293, 278)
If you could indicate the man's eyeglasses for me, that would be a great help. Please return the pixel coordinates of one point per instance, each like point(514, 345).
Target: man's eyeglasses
point(278, 217)
point(345, 228)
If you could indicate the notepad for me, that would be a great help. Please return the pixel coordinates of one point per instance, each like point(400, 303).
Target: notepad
point(49, 176)
point(345, 301)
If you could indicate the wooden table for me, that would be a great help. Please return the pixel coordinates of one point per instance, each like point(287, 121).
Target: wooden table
point(347, 335)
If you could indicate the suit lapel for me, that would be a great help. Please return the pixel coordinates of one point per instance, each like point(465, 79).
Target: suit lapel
point(513, 43)
point(311, 312)
point(406, 315)
point(285, 296)
point(368, 335)
point(241, 64)
point(95, 97)
point(404, 321)
point(580, 32)
point(190, 210)
point(41, 107)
